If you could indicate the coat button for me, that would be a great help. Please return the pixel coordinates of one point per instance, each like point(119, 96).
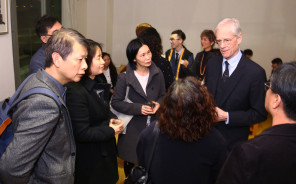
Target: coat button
point(72, 154)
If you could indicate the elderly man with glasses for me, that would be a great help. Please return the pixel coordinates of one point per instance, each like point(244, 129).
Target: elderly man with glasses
point(269, 157)
point(236, 84)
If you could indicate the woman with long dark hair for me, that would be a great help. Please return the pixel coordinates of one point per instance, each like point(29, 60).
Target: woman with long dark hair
point(151, 37)
point(189, 149)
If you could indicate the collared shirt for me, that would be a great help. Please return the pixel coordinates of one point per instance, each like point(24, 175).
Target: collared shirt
point(61, 88)
point(233, 62)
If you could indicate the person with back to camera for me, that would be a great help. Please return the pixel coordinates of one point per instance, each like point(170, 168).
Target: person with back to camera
point(189, 149)
point(109, 74)
point(146, 89)
point(94, 125)
point(207, 40)
point(152, 38)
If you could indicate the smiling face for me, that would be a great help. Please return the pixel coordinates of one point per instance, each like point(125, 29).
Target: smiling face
point(175, 41)
point(97, 64)
point(228, 42)
point(205, 43)
point(74, 66)
point(143, 57)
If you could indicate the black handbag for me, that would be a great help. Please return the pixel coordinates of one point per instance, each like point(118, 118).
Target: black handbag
point(138, 174)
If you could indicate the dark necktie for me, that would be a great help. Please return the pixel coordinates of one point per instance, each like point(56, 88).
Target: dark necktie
point(176, 63)
point(225, 75)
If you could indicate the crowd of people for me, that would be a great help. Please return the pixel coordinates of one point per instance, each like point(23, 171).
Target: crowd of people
point(203, 108)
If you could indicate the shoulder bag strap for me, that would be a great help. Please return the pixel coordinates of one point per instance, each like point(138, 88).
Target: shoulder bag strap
point(151, 152)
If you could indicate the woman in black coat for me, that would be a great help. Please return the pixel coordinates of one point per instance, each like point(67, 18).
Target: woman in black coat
point(93, 126)
point(207, 40)
point(189, 149)
point(146, 90)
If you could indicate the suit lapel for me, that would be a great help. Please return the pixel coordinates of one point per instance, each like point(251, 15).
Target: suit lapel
point(214, 73)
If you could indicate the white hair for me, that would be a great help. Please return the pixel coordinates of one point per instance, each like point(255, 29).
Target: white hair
point(236, 29)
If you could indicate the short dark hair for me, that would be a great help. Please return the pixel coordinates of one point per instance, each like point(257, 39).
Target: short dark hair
point(248, 52)
point(62, 42)
point(283, 82)
point(180, 34)
point(152, 38)
point(187, 111)
point(44, 23)
point(209, 34)
point(277, 61)
point(132, 51)
point(91, 52)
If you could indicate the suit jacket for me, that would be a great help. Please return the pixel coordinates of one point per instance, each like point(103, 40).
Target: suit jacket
point(155, 91)
point(96, 160)
point(268, 158)
point(177, 161)
point(38, 60)
point(242, 96)
point(183, 72)
point(43, 148)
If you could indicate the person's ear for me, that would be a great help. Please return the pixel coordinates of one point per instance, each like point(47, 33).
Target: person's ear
point(57, 59)
point(43, 39)
point(239, 38)
point(276, 101)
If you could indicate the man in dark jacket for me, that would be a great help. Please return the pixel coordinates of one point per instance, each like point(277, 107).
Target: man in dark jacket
point(45, 27)
point(236, 84)
point(179, 57)
point(269, 157)
point(43, 148)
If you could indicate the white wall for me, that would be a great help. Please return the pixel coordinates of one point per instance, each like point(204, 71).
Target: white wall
point(6, 62)
point(268, 25)
point(269, 28)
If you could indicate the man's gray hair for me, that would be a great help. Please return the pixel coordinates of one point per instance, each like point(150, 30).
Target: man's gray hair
point(236, 29)
point(62, 42)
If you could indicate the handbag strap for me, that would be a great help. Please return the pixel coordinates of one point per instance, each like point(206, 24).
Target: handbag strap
point(154, 138)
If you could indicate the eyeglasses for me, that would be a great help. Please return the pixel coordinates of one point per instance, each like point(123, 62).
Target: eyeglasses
point(267, 85)
point(225, 41)
point(173, 39)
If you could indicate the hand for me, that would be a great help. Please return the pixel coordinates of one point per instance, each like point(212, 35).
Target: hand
point(146, 110)
point(117, 125)
point(112, 91)
point(221, 115)
point(156, 107)
point(185, 63)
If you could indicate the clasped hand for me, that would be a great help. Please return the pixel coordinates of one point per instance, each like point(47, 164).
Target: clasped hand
point(147, 110)
point(117, 125)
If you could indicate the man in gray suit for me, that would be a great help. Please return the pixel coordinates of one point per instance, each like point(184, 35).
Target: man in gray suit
point(43, 148)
